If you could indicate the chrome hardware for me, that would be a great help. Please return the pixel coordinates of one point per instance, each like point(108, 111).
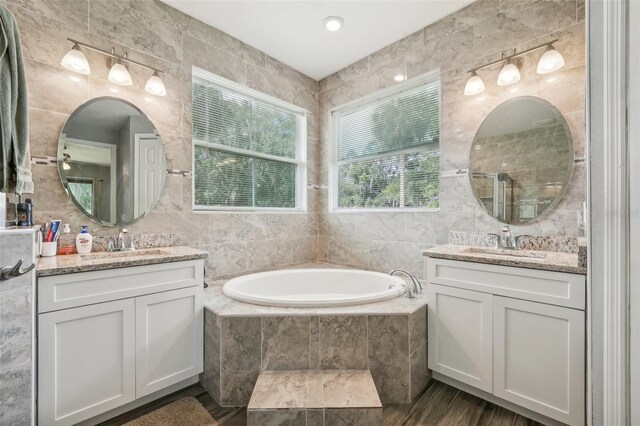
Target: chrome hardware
point(506, 240)
point(121, 242)
point(8, 272)
point(416, 286)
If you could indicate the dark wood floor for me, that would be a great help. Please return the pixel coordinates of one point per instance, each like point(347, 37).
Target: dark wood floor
point(439, 404)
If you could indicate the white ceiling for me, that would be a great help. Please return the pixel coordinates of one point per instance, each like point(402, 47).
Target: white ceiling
point(293, 32)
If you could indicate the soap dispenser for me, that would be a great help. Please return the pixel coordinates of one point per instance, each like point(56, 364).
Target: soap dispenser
point(84, 241)
point(66, 241)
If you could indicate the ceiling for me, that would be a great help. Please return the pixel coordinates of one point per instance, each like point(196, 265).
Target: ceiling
point(293, 32)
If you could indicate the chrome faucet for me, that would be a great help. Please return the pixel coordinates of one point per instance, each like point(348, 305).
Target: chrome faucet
point(416, 287)
point(506, 240)
point(121, 242)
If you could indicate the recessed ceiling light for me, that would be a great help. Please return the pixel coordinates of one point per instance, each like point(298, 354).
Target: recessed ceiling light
point(400, 77)
point(333, 23)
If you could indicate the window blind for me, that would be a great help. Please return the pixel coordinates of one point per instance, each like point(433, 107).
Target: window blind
point(244, 149)
point(387, 151)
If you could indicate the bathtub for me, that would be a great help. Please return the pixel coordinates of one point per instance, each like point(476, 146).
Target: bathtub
point(314, 288)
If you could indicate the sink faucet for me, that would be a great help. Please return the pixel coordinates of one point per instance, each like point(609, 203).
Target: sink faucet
point(121, 242)
point(506, 240)
point(416, 287)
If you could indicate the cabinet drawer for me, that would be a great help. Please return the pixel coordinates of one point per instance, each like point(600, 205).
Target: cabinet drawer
point(84, 288)
point(556, 288)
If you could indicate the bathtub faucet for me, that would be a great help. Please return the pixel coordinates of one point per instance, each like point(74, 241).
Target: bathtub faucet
point(416, 287)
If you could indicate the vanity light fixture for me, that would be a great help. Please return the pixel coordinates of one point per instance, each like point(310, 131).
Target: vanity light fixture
point(509, 74)
point(75, 61)
point(474, 85)
point(65, 161)
point(333, 23)
point(550, 61)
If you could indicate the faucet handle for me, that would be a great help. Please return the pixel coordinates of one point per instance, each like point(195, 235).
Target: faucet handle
point(110, 245)
point(497, 245)
point(517, 239)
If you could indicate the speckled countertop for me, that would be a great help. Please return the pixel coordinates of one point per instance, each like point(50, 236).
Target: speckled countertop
point(99, 261)
point(545, 260)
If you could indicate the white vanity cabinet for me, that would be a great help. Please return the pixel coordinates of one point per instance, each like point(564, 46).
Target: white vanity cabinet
point(512, 333)
point(108, 338)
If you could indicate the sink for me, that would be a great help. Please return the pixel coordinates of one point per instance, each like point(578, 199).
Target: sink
point(506, 253)
point(107, 255)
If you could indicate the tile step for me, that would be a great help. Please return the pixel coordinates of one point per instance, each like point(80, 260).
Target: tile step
point(315, 397)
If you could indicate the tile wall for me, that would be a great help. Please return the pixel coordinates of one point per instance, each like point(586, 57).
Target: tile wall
point(156, 34)
point(470, 37)
point(153, 32)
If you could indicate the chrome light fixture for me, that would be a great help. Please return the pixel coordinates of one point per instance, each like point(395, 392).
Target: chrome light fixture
point(550, 61)
point(509, 74)
point(155, 86)
point(65, 162)
point(119, 74)
point(474, 85)
point(75, 61)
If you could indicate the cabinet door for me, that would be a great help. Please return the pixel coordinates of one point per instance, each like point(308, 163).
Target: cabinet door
point(86, 361)
point(539, 353)
point(169, 338)
point(460, 335)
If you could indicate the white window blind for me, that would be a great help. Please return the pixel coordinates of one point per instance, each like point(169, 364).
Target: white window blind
point(246, 150)
point(387, 150)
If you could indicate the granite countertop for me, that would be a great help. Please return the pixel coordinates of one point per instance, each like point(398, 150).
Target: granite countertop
point(544, 260)
point(98, 261)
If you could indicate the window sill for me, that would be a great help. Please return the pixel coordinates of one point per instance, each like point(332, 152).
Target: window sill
point(236, 210)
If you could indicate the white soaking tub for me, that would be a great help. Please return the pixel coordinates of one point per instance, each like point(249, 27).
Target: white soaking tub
point(314, 288)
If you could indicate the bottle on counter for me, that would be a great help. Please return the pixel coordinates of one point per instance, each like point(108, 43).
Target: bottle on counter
point(66, 241)
point(84, 241)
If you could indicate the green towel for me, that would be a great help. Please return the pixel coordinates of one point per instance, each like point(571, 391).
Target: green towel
point(14, 110)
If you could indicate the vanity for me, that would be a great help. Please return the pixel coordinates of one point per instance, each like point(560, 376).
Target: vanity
point(117, 330)
point(507, 312)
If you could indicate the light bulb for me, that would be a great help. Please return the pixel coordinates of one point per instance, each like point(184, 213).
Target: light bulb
point(474, 85)
point(399, 77)
point(550, 61)
point(120, 75)
point(509, 74)
point(333, 23)
point(65, 165)
point(155, 86)
point(75, 61)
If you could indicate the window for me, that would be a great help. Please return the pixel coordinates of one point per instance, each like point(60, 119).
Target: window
point(248, 148)
point(82, 190)
point(387, 151)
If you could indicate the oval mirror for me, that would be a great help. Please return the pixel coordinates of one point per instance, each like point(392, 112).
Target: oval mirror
point(521, 160)
point(111, 161)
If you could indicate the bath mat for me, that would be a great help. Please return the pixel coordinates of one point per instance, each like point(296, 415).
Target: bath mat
point(183, 412)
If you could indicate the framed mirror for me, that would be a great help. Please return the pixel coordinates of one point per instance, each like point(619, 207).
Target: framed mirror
point(111, 161)
point(521, 160)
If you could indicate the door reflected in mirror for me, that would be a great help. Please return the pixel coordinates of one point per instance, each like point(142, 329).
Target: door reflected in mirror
point(521, 160)
point(111, 161)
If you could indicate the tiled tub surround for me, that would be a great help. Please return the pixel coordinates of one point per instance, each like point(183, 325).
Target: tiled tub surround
point(156, 34)
point(241, 340)
point(467, 38)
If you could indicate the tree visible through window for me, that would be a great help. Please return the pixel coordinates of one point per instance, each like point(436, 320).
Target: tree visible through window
point(388, 150)
point(246, 150)
point(82, 190)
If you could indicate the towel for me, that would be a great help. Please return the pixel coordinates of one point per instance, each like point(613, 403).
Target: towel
point(14, 110)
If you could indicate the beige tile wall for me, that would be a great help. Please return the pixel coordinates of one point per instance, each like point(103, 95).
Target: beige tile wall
point(154, 33)
point(470, 37)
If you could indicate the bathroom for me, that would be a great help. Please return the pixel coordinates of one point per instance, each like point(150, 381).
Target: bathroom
point(412, 212)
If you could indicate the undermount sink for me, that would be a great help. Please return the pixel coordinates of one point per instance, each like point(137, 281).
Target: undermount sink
point(508, 253)
point(104, 255)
